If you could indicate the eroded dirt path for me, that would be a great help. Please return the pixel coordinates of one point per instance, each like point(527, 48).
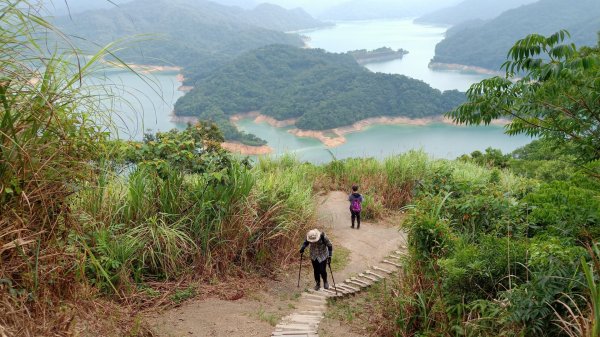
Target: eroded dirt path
point(256, 314)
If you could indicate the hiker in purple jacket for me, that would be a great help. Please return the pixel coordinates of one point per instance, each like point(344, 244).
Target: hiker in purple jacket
point(355, 205)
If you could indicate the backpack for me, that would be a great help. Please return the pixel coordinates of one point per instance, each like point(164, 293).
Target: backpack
point(355, 206)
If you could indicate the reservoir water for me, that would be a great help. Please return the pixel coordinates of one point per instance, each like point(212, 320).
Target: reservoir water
point(439, 140)
point(418, 40)
point(145, 101)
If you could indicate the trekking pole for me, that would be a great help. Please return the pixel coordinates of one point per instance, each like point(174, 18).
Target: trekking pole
point(332, 278)
point(300, 270)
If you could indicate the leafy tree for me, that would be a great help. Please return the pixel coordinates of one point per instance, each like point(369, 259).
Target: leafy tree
point(551, 90)
point(196, 149)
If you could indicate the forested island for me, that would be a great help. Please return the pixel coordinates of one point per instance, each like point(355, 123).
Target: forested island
point(484, 43)
point(383, 54)
point(319, 90)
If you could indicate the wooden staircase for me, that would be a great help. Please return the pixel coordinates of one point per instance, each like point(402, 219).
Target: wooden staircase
point(304, 321)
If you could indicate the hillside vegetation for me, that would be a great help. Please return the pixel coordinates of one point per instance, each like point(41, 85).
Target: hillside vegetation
point(198, 35)
point(508, 245)
point(94, 231)
point(322, 90)
point(470, 10)
point(485, 44)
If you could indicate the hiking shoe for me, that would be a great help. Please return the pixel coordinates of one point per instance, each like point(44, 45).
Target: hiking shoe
point(326, 285)
point(317, 286)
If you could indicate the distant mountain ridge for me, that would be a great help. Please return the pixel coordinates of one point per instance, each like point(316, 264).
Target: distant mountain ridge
point(485, 44)
point(278, 18)
point(382, 9)
point(471, 10)
point(320, 90)
point(197, 35)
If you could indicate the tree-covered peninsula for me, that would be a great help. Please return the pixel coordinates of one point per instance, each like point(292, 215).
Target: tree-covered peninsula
point(484, 44)
point(320, 90)
point(383, 54)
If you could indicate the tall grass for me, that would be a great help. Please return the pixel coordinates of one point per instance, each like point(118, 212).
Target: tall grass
point(239, 219)
point(49, 139)
point(387, 185)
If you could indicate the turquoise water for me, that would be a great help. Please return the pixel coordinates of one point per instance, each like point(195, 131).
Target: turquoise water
point(145, 102)
point(419, 40)
point(439, 140)
point(150, 100)
point(380, 141)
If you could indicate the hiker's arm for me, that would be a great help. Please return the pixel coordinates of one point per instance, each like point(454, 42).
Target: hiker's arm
point(303, 247)
point(328, 244)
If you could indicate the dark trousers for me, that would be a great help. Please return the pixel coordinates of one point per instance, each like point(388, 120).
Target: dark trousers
point(320, 270)
point(355, 215)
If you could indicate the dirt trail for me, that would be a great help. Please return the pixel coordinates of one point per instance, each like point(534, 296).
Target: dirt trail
point(256, 314)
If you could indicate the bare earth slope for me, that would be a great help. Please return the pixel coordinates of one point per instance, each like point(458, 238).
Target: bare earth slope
point(256, 314)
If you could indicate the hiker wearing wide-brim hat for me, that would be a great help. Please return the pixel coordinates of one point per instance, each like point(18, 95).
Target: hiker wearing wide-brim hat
point(321, 251)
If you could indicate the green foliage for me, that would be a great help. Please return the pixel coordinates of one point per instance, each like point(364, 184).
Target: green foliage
point(286, 82)
point(484, 43)
point(470, 10)
point(491, 158)
point(564, 210)
point(382, 54)
point(184, 294)
point(556, 99)
point(197, 149)
point(199, 36)
point(429, 236)
point(553, 273)
point(479, 271)
point(481, 261)
point(49, 139)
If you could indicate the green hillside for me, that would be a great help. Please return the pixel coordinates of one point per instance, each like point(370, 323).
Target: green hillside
point(485, 45)
point(470, 10)
point(198, 35)
point(323, 90)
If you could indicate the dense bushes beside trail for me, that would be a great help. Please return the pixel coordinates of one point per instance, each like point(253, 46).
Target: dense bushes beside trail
point(506, 245)
point(495, 254)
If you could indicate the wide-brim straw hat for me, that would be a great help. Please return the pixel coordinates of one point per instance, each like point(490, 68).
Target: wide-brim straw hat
point(313, 235)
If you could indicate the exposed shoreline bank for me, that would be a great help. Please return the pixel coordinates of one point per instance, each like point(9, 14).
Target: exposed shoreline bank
point(330, 138)
point(247, 150)
point(463, 69)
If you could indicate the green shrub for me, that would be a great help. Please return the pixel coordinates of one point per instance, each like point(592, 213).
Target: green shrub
point(564, 210)
point(480, 271)
point(553, 274)
point(429, 236)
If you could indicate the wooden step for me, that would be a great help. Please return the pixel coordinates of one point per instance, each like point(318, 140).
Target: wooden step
point(382, 269)
point(392, 263)
point(374, 274)
point(364, 283)
point(368, 277)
